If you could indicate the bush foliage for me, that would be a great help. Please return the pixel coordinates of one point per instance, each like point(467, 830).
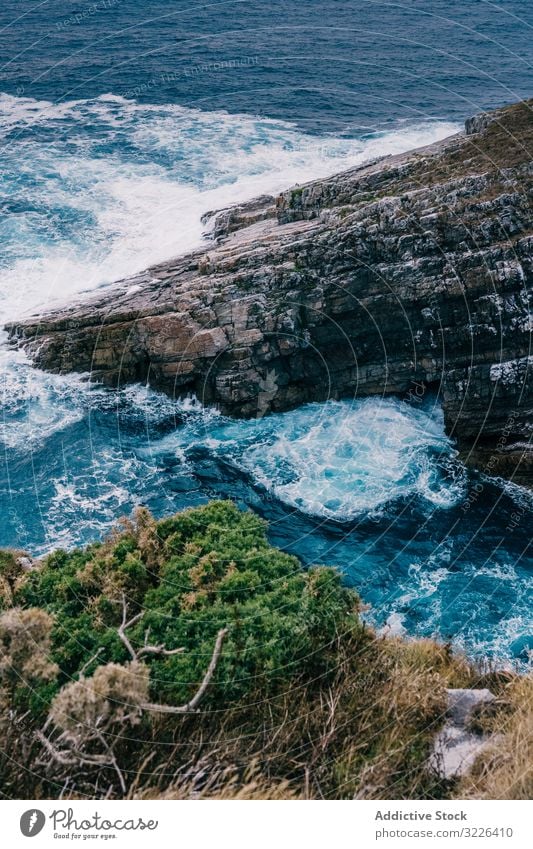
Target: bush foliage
point(103, 649)
point(192, 575)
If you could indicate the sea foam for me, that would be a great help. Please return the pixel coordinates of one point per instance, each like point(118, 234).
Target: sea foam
point(98, 190)
point(339, 459)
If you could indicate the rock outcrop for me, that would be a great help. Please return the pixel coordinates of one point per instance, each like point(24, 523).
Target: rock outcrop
point(457, 745)
point(413, 271)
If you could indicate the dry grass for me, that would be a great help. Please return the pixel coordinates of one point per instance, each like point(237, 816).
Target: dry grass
point(506, 770)
point(365, 734)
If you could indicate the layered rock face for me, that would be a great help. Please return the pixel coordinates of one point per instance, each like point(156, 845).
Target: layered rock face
point(410, 273)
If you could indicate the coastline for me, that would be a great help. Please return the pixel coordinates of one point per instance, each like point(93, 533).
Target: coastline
point(413, 242)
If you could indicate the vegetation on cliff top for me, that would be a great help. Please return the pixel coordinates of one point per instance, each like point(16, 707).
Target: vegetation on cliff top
point(189, 657)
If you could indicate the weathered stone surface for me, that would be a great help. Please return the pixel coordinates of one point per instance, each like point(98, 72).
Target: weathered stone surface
point(414, 269)
point(225, 221)
point(456, 746)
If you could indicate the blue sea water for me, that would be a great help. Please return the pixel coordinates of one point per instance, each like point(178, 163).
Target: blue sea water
point(122, 123)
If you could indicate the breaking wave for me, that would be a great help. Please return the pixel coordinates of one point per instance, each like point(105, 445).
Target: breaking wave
point(95, 190)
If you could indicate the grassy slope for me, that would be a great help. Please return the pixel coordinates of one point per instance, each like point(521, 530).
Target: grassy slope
point(305, 701)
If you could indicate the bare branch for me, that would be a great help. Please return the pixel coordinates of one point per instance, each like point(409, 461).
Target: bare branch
point(88, 663)
point(192, 705)
point(158, 650)
point(127, 624)
point(113, 760)
point(146, 649)
point(71, 757)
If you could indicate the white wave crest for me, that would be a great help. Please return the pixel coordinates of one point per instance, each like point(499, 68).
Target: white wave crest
point(102, 189)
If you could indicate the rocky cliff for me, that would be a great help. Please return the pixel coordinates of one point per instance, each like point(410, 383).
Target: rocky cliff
point(412, 272)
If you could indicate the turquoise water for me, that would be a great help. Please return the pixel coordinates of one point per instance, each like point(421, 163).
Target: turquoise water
point(114, 145)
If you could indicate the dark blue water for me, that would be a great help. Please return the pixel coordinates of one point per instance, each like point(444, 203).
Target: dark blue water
point(121, 124)
point(328, 65)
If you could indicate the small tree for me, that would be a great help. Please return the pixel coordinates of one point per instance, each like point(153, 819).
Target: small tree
point(88, 716)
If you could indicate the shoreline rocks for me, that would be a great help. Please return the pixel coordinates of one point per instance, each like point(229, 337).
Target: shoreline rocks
point(412, 270)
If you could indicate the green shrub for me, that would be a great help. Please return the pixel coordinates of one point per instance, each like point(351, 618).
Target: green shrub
point(304, 700)
point(211, 567)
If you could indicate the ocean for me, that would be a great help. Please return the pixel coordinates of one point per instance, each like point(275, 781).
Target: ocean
point(122, 123)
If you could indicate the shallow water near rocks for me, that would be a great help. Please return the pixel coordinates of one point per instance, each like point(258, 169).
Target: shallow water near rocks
point(370, 486)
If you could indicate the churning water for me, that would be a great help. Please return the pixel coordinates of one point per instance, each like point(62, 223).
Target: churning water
point(98, 185)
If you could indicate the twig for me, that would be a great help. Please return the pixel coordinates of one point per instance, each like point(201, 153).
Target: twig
point(159, 649)
point(146, 649)
point(88, 663)
point(193, 703)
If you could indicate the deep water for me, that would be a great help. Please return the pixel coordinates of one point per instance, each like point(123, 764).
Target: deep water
point(342, 66)
point(119, 130)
